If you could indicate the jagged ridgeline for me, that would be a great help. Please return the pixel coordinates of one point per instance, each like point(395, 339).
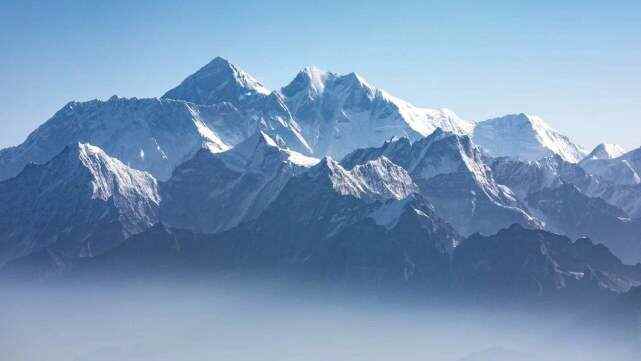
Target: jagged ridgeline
point(328, 178)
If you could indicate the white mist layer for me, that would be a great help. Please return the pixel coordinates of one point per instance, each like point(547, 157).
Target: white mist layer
point(174, 322)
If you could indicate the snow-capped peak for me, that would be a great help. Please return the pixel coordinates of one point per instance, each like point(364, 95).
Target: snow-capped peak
point(606, 151)
point(446, 153)
point(315, 78)
point(216, 82)
point(308, 84)
point(623, 170)
point(313, 81)
point(385, 178)
point(110, 177)
point(254, 149)
point(525, 137)
point(330, 108)
point(81, 203)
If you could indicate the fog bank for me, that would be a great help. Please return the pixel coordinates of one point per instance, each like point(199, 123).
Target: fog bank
point(212, 321)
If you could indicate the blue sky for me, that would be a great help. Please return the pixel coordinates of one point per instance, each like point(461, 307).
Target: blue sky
point(577, 64)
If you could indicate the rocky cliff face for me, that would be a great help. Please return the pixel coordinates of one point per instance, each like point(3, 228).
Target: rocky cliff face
point(79, 204)
point(214, 192)
point(530, 264)
point(451, 174)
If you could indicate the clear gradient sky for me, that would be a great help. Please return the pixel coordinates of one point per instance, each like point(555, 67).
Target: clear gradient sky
point(576, 64)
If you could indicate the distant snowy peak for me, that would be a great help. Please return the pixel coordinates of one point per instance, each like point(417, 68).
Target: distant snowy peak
point(309, 81)
point(623, 170)
point(218, 107)
point(147, 134)
point(529, 177)
point(524, 137)
point(313, 82)
point(153, 135)
point(444, 153)
point(332, 108)
point(606, 151)
point(218, 81)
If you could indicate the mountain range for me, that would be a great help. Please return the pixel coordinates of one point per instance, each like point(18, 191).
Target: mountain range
point(328, 178)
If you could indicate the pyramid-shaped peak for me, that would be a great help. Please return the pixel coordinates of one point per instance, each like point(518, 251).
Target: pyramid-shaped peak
point(606, 151)
point(314, 80)
point(315, 77)
point(525, 137)
point(439, 134)
point(107, 175)
point(218, 81)
point(219, 62)
point(314, 71)
point(250, 148)
point(310, 80)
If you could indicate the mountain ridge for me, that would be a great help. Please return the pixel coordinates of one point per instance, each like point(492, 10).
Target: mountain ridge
point(82, 202)
point(526, 137)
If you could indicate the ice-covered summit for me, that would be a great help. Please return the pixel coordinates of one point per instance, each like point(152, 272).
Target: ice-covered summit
point(340, 113)
point(524, 137)
point(153, 135)
point(216, 82)
point(319, 113)
point(606, 151)
point(623, 170)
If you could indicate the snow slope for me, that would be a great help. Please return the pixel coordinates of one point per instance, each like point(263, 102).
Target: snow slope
point(218, 81)
point(147, 134)
point(451, 174)
point(524, 137)
point(624, 169)
point(605, 151)
point(153, 135)
point(340, 113)
point(221, 105)
point(80, 204)
point(214, 192)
